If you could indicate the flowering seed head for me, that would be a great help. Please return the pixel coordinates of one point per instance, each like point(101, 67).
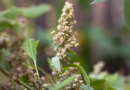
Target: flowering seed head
point(53, 32)
point(64, 40)
point(75, 22)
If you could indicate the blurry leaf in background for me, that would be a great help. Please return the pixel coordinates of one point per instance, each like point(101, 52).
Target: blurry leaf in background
point(85, 87)
point(35, 11)
point(11, 13)
point(102, 40)
point(56, 63)
point(8, 17)
point(116, 81)
point(102, 75)
point(96, 1)
point(112, 78)
point(84, 3)
point(30, 46)
point(31, 12)
point(127, 12)
point(44, 36)
point(99, 85)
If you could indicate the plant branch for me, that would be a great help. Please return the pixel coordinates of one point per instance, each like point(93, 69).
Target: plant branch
point(5, 72)
point(36, 68)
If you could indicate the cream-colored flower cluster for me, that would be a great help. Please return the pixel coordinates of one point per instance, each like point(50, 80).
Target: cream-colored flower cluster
point(65, 39)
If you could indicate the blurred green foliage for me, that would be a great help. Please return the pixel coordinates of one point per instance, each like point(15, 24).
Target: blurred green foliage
point(127, 12)
point(9, 17)
point(114, 80)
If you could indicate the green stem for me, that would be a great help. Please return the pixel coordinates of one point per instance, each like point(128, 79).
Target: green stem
point(5, 72)
point(55, 78)
point(36, 68)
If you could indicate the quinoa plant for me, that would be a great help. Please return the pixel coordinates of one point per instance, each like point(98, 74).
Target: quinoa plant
point(22, 74)
point(64, 40)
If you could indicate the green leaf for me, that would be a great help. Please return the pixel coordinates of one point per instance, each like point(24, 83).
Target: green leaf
point(102, 75)
point(83, 72)
point(11, 13)
point(112, 78)
point(99, 85)
point(96, 1)
point(71, 52)
point(85, 87)
point(35, 11)
point(56, 62)
point(30, 46)
point(49, 63)
point(127, 12)
point(62, 84)
point(116, 81)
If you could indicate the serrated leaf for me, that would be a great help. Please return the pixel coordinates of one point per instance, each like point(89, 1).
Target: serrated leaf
point(35, 11)
point(85, 87)
point(99, 85)
point(96, 1)
point(83, 72)
point(56, 62)
point(30, 46)
point(62, 84)
point(127, 12)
